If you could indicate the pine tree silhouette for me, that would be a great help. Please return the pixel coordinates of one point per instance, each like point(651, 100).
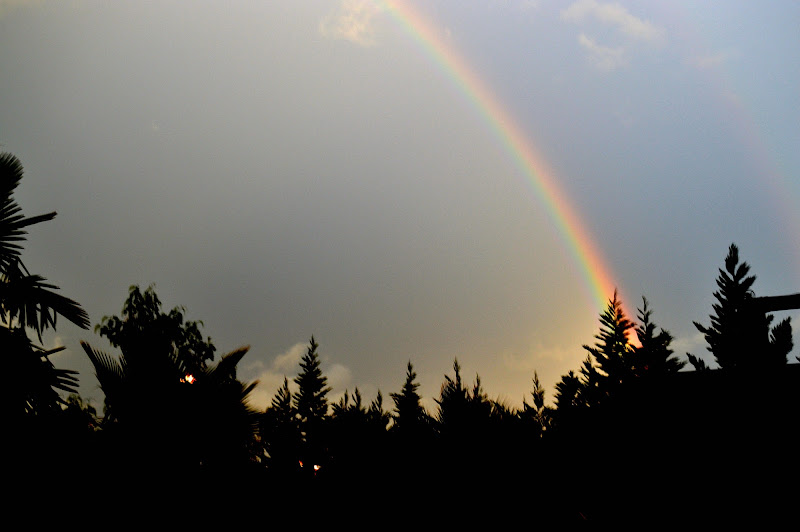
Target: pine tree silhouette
point(740, 336)
point(311, 405)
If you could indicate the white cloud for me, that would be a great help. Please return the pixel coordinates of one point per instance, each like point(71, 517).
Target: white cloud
point(352, 21)
point(603, 57)
point(290, 359)
point(268, 384)
point(339, 376)
point(609, 58)
point(617, 16)
point(270, 376)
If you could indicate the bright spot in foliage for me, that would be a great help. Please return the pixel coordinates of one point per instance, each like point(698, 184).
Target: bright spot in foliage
point(189, 378)
point(317, 467)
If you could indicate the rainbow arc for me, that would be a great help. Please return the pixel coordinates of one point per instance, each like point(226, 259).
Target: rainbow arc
point(538, 177)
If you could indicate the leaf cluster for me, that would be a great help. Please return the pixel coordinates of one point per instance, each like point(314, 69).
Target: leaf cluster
point(28, 302)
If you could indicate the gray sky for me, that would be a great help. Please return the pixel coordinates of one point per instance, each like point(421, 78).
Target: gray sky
point(284, 169)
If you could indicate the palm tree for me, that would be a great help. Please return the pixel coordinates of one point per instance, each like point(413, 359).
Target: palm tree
point(28, 302)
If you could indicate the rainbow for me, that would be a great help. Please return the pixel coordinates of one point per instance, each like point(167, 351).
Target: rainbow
point(538, 177)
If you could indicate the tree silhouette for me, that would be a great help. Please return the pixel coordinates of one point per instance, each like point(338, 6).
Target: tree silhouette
point(28, 302)
point(612, 428)
point(612, 353)
point(453, 415)
point(409, 416)
point(158, 351)
point(311, 405)
point(377, 417)
point(144, 328)
point(538, 414)
point(165, 408)
point(697, 363)
point(739, 336)
point(464, 431)
point(410, 435)
point(567, 396)
point(653, 355)
point(280, 434)
point(357, 435)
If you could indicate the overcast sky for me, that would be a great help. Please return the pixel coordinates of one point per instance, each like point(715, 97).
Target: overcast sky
point(283, 169)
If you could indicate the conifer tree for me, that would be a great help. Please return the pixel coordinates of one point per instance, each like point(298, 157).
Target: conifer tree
point(453, 401)
point(410, 415)
point(698, 363)
point(567, 395)
point(464, 415)
point(411, 433)
point(729, 332)
point(282, 402)
point(311, 405)
point(607, 365)
point(357, 439)
point(654, 355)
point(465, 432)
point(593, 386)
point(538, 413)
point(310, 400)
point(376, 415)
point(739, 336)
point(280, 432)
point(780, 343)
point(612, 351)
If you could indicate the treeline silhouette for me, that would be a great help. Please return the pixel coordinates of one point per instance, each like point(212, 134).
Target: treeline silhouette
point(635, 434)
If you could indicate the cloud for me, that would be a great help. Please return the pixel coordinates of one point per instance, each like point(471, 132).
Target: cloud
point(603, 57)
point(270, 376)
point(290, 359)
point(339, 376)
point(352, 21)
point(287, 365)
point(617, 16)
point(268, 384)
point(609, 58)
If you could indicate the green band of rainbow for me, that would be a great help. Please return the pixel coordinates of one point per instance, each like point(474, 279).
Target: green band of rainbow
point(531, 166)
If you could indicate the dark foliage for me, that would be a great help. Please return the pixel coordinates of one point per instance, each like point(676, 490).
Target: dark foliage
point(311, 406)
point(740, 336)
point(143, 328)
point(28, 302)
point(409, 416)
point(653, 355)
point(280, 435)
point(631, 439)
point(168, 412)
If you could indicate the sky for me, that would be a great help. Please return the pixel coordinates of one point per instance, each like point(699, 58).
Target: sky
point(406, 181)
